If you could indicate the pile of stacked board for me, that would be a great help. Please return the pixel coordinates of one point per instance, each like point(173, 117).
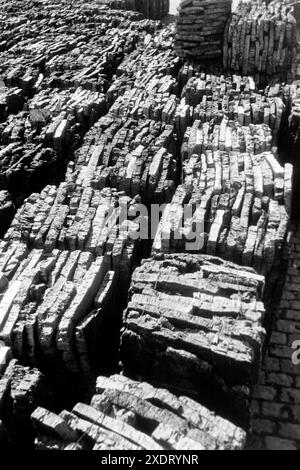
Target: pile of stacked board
point(129, 415)
point(68, 254)
point(21, 390)
point(200, 28)
point(194, 324)
point(154, 9)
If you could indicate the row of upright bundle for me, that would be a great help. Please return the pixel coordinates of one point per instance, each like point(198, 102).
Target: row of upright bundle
point(261, 38)
point(257, 37)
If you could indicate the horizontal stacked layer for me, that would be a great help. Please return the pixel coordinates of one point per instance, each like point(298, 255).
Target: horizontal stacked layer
point(200, 28)
point(193, 323)
point(128, 415)
point(261, 38)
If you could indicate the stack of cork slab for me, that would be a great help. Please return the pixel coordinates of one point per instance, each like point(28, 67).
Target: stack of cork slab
point(21, 390)
point(7, 211)
point(132, 156)
point(129, 415)
point(241, 204)
point(90, 42)
point(55, 118)
point(11, 100)
point(155, 9)
point(206, 97)
point(226, 135)
point(26, 167)
point(56, 63)
point(261, 38)
point(64, 254)
point(156, 101)
point(153, 56)
point(75, 218)
point(50, 306)
point(200, 28)
point(193, 323)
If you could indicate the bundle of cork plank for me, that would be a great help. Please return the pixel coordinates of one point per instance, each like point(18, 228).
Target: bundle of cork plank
point(241, 204)
point(27, 167)
point(11, 100)
point(53, 308)
point(61, 259)
point(206, 97)
point(200, 28)
point(128, 415)
point(21, 390)
point(261, 38)
point(7, 211)
point(155, 9)
point(194, 324)
point(226, 135)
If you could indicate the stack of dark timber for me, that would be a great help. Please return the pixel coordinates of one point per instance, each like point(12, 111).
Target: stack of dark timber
point(200, 28)
point(21, 390)
point(129, 415)
point(193, 323)
point(261, 38)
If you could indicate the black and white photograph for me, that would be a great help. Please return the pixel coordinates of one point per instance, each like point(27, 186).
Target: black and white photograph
point(149, 228)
